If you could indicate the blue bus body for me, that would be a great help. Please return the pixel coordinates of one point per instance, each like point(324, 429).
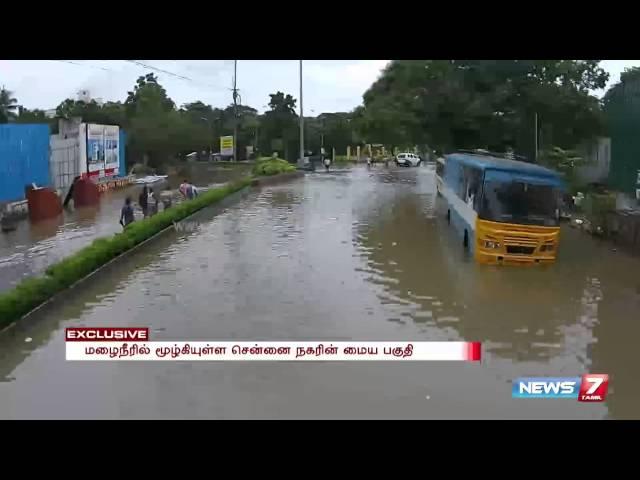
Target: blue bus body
point(462, 179)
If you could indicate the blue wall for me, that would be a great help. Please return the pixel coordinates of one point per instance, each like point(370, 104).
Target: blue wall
point(122, 167)
point(24, 158)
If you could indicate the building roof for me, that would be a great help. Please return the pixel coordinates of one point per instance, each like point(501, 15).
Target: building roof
point(494, 163)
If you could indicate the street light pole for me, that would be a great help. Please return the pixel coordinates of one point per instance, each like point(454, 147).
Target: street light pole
point(235, 112)
point(301, 160)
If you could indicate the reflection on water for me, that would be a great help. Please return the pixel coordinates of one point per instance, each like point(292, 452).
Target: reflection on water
point(32, 247)
point(361, 254)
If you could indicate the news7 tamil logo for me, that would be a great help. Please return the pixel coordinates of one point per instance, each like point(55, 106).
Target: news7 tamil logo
point(592, 387)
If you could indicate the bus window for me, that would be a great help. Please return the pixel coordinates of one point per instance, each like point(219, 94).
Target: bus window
point(471, 186)
point(518, 202)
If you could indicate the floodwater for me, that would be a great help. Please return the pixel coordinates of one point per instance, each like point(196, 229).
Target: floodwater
point(354, 254)
point(32, 247)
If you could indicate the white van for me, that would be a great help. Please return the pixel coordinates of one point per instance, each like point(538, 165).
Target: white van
point(408, 159)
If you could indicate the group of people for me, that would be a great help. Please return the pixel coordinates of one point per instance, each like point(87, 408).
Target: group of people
point(188, 190)
point(148, 202)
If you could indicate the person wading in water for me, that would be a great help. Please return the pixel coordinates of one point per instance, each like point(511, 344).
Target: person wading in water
point(126, 214)
point(143, 202)
point(152, 203)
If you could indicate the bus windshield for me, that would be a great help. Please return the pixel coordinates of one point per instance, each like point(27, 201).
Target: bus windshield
point(520, 202)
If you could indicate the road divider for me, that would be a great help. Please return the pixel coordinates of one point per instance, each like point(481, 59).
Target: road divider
point(32, 293)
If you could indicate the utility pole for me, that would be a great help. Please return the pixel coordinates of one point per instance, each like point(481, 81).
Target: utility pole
point(301, 160)
point(235, 111)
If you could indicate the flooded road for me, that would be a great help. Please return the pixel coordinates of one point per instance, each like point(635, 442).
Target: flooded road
point(32, 247)
point(353, 254)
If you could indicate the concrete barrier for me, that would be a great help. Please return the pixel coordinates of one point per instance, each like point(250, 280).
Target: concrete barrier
point(43, 203)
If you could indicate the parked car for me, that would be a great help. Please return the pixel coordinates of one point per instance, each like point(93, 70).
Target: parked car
point(408, 160)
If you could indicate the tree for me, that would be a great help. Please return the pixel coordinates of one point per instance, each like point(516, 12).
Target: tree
point(337, 130)
point(8, 105)
point(452, 104)
point(280, 122)
point(147, 96)
point(565, 161)
point(202, 126)
point(155, 126)
point(248, 130)
point(31, 116)
point(111, 113)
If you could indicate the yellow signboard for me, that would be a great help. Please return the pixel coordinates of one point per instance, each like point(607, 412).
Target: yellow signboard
point(226, 145)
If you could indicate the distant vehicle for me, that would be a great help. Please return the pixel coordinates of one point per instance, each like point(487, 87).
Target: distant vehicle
point(408, 159)
point(506, 211)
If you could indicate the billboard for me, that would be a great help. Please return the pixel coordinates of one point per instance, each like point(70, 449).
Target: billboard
point(102, 152)
point(95, 149)
point(111, 150)
point(226, 145)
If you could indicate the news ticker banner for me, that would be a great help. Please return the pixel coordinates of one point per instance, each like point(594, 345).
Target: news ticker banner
point(133, 344)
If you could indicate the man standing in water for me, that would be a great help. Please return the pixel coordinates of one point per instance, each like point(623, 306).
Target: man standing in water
point(126, 214)
point(143, 202)
point(183, 188)
point(152, 203)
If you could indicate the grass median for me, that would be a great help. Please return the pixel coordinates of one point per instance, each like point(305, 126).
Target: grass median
point(32, 292)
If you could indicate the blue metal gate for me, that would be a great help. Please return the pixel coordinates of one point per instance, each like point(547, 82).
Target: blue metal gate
point(24, 159)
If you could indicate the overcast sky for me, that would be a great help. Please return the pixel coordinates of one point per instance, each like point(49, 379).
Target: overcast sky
point(329, 85)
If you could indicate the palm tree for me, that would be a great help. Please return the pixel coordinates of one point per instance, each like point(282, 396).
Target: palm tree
point(7, 105)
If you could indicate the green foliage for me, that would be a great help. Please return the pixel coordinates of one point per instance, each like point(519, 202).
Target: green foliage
point(8, 105)
point(272, 166)
point(453, 104)
point(280, 123)
point(31, 292)
point(25, 297)
point(564, 161)
point(596, 207)
point(31, 116)
point(337, 130)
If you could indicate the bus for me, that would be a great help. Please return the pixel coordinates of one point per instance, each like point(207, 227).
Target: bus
point(506, 211)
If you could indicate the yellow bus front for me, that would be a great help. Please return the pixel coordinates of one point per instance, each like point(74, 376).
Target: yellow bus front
point(512, 243)
point(518, 219)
